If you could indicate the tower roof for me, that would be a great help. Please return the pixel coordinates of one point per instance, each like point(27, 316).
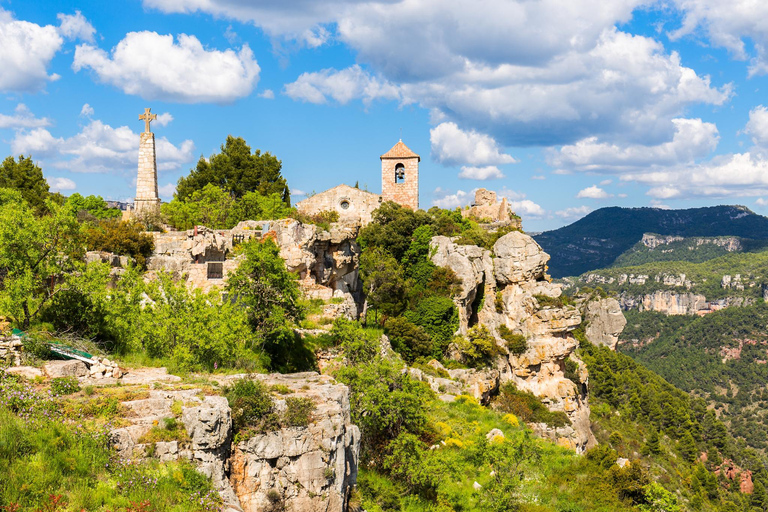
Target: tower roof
point(400, 150)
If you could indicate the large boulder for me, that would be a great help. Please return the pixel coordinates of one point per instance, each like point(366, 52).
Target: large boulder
point(518, 258)
point(56, 369)
point(605, 322)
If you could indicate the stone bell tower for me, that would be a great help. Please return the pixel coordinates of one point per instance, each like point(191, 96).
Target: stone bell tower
point(400, 176)
point(147, 200)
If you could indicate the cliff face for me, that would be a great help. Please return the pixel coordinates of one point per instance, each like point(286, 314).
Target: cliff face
point(310, 468)
point(605, 322)
point(504, 287)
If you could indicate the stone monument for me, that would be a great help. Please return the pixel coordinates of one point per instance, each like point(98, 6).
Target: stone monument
point(147, 200)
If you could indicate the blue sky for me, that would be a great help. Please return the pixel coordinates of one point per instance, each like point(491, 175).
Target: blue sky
point(561, 106)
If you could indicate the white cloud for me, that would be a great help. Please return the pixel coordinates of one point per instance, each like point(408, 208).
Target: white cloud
point(593, 192)
point(527, 208)
point(61, 184)
point(444, 199)
point(167, 190)
point(267, 94)
point(98, 148)
point(153, 66)
point(22, 118)
point(490, 172)
point(757, 126)
point(298, 193)
point(164, 119)
point(454, 146)
point(75, 26)
point(573, 213)
point(341, 86)
point(761, 202)
point(692, 139)
point(605, 183)
point(86, 111)
point(27, 51)
point(538, 177)
point(727, 25)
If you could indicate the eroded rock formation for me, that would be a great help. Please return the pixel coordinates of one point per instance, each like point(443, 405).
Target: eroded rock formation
point(605, 322)
point(508, 286)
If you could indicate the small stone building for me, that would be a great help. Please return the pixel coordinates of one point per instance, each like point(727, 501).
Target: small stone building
point(399, 183)
point(352, 204)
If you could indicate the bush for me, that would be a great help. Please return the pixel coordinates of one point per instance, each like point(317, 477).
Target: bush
point(64, 386)
point(322, 219)
point(438, 316)
point(516, 343)
point(298, 411)
point(479, 347)
point(527, 407)
point(121, 237)
point(408, 339)
point(252, 406)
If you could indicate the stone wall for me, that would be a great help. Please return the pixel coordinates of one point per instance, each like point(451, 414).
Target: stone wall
point(352, 204)
point(405, 193)
point(146, 183)
point(487, 208)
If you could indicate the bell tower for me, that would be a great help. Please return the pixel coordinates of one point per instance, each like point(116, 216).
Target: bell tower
point(400, 176)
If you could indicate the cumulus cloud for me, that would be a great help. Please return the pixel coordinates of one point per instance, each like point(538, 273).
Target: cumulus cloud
point(527, 208)
point(22, 118)
point(727, 25)
point(167, 190)
point(164, 119)
point(593, 192)
point(341, 86)
point(267, 94)
point(573, 213)
point(448, 200)
point(757, 126)
point(61, 184)
point(98, 148)
point(75, 26)
point(154, 66)
point(490, 172)
point(761, 202)
point(453, 146)
point(692, 139)
point(28, 49)
point(87, 110)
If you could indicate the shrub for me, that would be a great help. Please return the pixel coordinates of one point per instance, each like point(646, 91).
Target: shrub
point(121, 237)
point(438, 316)
point(545, 301)
point(408, 339)
point(64, 386)
point(516, 343)
point(527, 407)
point(252, 406)
point(298, 411)
point(479, 347)
point(322, 219)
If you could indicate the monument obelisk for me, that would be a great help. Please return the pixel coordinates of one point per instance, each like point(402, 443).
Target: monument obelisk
point(147, 200)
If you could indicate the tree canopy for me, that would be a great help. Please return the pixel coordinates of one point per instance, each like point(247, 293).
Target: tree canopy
point(238, 171)
point(27, 178)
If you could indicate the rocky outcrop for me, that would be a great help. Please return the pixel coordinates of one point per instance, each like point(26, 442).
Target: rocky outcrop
point(10, 350)
point(604, 321)
point(665, 301)
point(309, 468)
point(486, 208)
point(508, 286)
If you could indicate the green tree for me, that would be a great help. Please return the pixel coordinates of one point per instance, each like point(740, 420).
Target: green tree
point(27, 178)
point(237, 171)
point(210, 206)
point(271, 295)
point(126, 238)
point(688, 447)
point(383, 281)
point(652, 445)
point(35, 255)
point(94, 206)
point(392, 229)
point(658, 499)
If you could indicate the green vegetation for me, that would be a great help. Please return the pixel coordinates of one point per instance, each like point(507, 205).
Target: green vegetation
point(91, 207)
point(120, 237)
point(64, 386)
point(51, 461)
point(720, 357)
point(693, 250)
point(597, 240)
point(27, 179)
point(527, 407)
point(237, 171)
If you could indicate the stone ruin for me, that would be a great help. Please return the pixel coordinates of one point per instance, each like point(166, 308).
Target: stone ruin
point(487, 209)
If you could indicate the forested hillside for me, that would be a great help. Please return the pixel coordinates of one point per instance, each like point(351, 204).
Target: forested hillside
point(721, 357)
point(597, 240)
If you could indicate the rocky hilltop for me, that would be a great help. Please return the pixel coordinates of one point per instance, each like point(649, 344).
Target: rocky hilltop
point(507, 288)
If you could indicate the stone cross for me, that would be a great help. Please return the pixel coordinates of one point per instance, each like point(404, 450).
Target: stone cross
point(147, 118)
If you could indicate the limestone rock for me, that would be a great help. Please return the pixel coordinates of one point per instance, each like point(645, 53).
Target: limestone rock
point(55, 369)
point(28, 372)
point(605, 322)
point(518, 258)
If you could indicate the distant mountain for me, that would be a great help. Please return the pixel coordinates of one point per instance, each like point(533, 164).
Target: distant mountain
point(597, 240)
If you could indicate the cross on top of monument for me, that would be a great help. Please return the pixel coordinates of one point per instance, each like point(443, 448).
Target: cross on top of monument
point(147, 118)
